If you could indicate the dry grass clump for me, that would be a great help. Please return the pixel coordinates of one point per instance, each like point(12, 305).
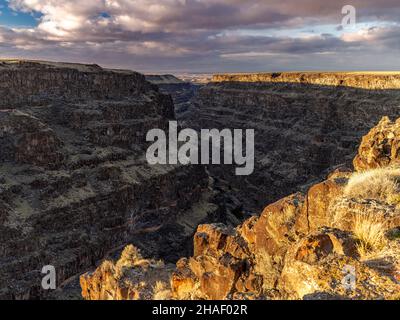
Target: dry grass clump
point(344, 210)
point(131, 258)
point(368, 200)
point(369, 229)
point(368, 221)
point(161, 291)
point(378, 184)
point(107, 266)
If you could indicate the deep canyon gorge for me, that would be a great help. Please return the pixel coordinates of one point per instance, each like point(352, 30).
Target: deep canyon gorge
point(77, 192)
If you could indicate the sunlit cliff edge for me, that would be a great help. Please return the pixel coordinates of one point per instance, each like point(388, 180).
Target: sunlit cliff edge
point(377, 80)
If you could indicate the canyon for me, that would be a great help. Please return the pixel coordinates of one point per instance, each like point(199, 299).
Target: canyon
point(77, 192)
point(309, 246)
point(303, 130)
point(75, 184)
point(303, 245)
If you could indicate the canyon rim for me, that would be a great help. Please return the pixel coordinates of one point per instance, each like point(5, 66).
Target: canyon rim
point(79, 196)
point(222, 153)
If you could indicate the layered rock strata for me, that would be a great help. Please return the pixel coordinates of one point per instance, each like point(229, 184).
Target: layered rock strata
point(74, 182)
point(181, 92)
point(363, 80)
point(302, 130)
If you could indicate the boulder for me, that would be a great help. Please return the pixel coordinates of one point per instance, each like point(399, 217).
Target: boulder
point(380, 147)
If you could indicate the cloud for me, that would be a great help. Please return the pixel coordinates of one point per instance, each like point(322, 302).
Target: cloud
point(203, 34)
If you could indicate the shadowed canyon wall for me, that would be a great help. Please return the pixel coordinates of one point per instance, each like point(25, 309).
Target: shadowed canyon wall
point(181, 92)
point(302, 128)
point(74, 183)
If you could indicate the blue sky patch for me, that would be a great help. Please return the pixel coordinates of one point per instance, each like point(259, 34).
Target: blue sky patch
point(104, 15)
point(11, 18)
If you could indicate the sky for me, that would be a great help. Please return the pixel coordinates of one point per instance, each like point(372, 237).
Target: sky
point(204, 36)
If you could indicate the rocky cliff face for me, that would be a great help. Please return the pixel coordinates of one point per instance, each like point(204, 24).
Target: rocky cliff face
point(181, 92)
point(303, 129)
point(74, 183)
point(35, 83)
point(332, 242)
point(362, 80)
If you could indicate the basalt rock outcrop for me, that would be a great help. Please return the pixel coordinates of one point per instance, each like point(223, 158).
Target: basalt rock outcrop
point(74, 183)
point(296, 248)
point(305, 125)
point(363, 80)
point(36, 83)
point(181, 92)
point(131, 277)
point(381, 147)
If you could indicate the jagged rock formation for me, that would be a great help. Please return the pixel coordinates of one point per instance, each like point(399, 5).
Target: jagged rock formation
point(180, 91)
point(381, 147)
point(74, 183)
point(319, 245)
point(130, 278)
point(302, 130)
